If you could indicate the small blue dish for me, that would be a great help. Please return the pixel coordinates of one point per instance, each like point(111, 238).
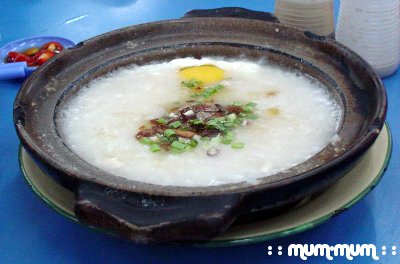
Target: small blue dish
point(20, 70)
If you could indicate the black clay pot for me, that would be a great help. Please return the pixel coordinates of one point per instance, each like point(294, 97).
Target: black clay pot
point(152, 213)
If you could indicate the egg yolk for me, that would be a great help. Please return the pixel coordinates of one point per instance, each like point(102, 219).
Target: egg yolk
point(203, 73)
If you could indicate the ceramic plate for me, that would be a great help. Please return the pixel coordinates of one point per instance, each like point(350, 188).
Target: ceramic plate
point(348, 190)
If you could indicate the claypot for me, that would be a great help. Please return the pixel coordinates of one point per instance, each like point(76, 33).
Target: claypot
point(153, 213)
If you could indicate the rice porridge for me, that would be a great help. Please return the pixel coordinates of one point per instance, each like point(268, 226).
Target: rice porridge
point(192, 122)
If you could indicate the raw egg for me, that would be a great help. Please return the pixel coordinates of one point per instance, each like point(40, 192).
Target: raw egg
point(203, 73)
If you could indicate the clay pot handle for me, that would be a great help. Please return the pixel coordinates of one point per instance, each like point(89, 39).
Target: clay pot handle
point(154, 219)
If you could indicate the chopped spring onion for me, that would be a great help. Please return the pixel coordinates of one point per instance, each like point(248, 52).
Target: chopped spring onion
point(155, 148)
point(164, 139)
point(210, 91)
point(247, 109)
point(175, 124)
point(237, 145)
point(196, 122)
point(228, 138)
point(146, 141)
point(239, 121)
point(169, 132)
point(231, 117)
point(176, 145)
point(229, 124)
point(216, 123)
point(193, 143)
point(162, 121)
point(192, 83)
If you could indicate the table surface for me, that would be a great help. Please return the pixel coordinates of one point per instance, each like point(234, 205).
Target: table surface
point(31, 232)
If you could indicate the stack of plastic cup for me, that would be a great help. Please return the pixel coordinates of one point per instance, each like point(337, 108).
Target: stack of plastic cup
point(372, 29)
point(307, 15)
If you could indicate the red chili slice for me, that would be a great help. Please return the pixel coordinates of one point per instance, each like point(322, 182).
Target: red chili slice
point(52, 46)
point(18, 57)
point(42, 56)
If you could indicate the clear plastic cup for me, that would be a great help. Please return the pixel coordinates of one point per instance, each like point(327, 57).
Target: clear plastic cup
point(372, 29)
point(301, 22)
point(386, 71)
point(370, 35)
point(311, 15)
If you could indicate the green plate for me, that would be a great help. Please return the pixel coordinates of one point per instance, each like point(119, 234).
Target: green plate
point(348, 190)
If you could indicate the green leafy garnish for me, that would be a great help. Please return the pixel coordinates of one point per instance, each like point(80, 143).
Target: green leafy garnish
point(237, 145)
point(249, 107)
point(208, 92)
point(217, 123)
point(179, 146)
point(175, 124)
point(165, 140)
point(193, 143)
point(169, 133)
point(228, 138)
point(192, 83)
point(231, 117)
point(146, 141)
point(155, 148)
point(196, 122)
point(162, 121)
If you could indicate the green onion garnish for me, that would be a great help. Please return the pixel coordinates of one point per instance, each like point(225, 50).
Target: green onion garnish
point(163, 138)
point(228, 138)
point(192, 83)
point(162, 121)
point(155, 148)
point(146, 141)
point(237, 145)
point(209, 91)
point(196, 122)
point(175, 124)
point(193, 143)
point(176, 145)
point(169, 133)
point(239, 121)
point(216, 123)
point(247, 109)
point(231, 117)
point(251, 104)
point(229, 124)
